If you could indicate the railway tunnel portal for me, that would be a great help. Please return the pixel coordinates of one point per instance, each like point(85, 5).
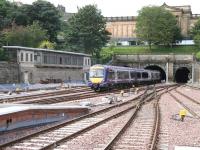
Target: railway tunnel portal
point(180, 68)
point(157, 68)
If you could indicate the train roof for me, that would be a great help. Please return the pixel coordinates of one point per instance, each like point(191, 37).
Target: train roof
point(120, 67)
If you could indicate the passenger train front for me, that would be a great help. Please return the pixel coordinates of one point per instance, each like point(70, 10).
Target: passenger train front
point(108, 77)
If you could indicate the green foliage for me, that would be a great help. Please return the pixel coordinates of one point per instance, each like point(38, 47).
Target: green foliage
point(196, 39)
point(145, 50)
point(108, 52)
point(48, 17)
point(198, 55)
point(3, 56)
point(5, 8)
point(86, 32)
point(196, 29)
point(29, 36)
point(47, 45)
point(21, 15)
point(12, 13)
point(195, 33)
point(157, 26)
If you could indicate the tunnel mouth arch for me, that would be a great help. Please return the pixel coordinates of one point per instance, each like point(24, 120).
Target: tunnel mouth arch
point(182, 75)
point(157, 68)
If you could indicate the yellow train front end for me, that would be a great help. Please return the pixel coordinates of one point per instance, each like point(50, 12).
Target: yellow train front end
point(96, 77)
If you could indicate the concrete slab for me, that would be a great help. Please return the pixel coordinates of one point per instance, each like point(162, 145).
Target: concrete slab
point(186, 148)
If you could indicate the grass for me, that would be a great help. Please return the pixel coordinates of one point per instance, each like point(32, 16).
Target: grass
point(145, 50)
point(107, 52)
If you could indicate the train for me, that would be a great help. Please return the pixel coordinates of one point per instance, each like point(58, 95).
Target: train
point(104, 77)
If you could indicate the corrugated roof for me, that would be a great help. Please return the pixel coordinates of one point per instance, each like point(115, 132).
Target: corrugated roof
point(45, 50)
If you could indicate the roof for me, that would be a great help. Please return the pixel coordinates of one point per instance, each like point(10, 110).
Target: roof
point(14, 108)
point(44, 50)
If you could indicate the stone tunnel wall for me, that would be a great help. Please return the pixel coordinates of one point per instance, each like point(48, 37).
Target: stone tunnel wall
point(175, 61)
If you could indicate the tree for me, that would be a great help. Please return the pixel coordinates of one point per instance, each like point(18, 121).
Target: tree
point(86, 31)
point(195, 33)
point(30, 36)
point(156, 26)
point(47, 45)
point(5, 7)
point(21, 15)
point(48, 17)
point(3, 56)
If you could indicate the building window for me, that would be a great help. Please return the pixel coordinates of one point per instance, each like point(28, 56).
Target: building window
point(22, 56)
point(60, 60)
point(31, 57)
point(88, 62)
point(35, 57)
point(26, 56)
point(45, 59)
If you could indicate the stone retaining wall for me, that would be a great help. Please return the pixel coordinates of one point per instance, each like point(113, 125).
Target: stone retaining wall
point(9, 72)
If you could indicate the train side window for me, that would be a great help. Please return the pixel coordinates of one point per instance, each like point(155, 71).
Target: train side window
point(133, 75)
point(144, 75)
point(158, 75)
point(123, 75)
point(126, 75)
point(138, 75)
point(111, 75)
point(119, 75)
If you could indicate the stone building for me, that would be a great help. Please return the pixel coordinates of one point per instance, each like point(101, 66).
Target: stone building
point(122, 29)
point(35, 65)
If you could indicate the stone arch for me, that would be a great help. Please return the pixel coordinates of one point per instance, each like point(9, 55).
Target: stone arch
point(158, 68)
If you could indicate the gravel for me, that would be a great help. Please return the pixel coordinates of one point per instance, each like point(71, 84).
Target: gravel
point(173, 131)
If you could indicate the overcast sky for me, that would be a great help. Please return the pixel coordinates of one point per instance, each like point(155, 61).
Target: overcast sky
point(120, 7)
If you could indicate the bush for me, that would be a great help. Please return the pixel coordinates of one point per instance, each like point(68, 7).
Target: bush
point(3, 56)
point(198, 55)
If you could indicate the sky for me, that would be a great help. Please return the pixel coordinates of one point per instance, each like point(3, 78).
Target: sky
point(119, 7)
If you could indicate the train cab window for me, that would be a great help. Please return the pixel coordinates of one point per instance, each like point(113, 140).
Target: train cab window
point(138, 75)
point(144, 75)
point(133, 75)
point(96, 73)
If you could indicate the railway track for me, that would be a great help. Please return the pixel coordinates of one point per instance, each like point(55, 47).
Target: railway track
point(57, 97)
point(107, 142)
point(188, 104)
point(52, 137)
point(61, 96)
point(43, 95)
point(140, 132)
